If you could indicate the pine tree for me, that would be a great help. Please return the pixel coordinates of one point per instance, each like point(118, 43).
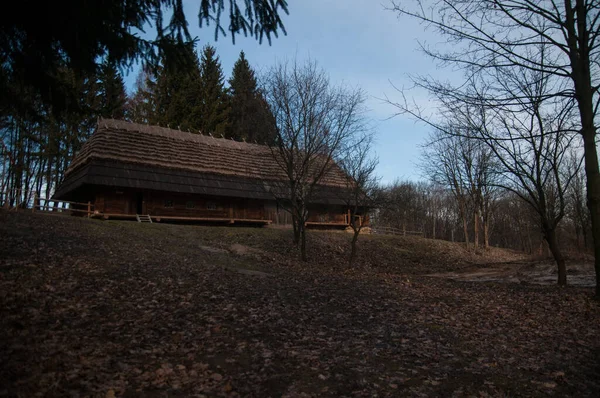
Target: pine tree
point(177, 92)
point(264, 121)
point(214, 105)
point(38, 40)
point(251, 117)
point(111, 92)
point(140, 106)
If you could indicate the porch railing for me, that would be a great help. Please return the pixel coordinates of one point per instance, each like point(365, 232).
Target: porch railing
point(44, 204)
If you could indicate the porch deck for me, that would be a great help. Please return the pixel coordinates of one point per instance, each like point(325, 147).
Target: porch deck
point(116, 216)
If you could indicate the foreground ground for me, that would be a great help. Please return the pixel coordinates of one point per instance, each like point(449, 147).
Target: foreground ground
point(91, 308)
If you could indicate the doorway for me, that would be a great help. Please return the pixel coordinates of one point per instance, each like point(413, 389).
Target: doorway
point(139, 203)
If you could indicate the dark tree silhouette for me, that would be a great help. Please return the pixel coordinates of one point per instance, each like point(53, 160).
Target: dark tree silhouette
point(214, 106)
point(176, 94)
point(38, 39)
point(111, 92)
point(251, 117)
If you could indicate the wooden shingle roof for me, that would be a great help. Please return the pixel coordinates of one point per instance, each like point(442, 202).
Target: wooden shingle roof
point(163, 147)
point(121, 153)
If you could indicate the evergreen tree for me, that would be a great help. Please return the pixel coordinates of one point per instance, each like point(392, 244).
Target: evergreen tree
point(140, 106)
point(251, 117)
point(214, 105)
point(38, 40)
point(266, 126)
point(177, 92)
point(111, 92)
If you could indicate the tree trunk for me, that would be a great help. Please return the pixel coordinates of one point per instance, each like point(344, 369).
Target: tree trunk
point(592, 173)
point(579, 55)
point(593, 196)
point(463, 215)
point(296, 227)
point(353, 246)
point(476, 229)
point(49, 177)
point(577, 235)
point(303, 245)
point(585, 236)
point(550, 236)
point(486, 234)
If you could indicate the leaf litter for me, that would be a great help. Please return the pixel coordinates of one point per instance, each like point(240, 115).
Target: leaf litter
point(110, 309)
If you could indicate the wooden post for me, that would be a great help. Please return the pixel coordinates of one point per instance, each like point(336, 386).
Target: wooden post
point(349, 219)
point(35, 198)
point(89, 209)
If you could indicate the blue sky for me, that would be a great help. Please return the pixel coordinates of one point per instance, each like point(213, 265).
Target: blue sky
point(358, 43)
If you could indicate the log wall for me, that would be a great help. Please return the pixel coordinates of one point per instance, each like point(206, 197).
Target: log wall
point(114, 202)
point(184, 206)
point(195, 206)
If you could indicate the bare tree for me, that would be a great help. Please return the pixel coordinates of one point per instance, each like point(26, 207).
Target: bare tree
point(516, 224)
point(314, 118)
point(464, 166)
point(530, 139)
point(487, 35)
point(441, 163)
point(576, 209)
point(362, 185)
point(410, 207)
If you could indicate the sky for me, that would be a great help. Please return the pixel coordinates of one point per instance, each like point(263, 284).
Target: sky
point(358, 43)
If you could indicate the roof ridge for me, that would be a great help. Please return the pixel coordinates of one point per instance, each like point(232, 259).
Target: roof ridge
point(200, 137)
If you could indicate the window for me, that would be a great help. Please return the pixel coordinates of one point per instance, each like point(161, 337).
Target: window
point(168, 203)
point(211, 206)
point(190, 204)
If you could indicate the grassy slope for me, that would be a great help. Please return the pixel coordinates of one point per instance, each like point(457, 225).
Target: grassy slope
point(92, 308)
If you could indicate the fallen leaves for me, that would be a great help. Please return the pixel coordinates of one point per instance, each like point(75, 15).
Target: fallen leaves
point(156, 311)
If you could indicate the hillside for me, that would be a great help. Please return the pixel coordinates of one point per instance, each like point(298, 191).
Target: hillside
point(91, 308)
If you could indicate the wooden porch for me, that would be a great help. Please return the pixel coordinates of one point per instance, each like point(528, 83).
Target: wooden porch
point(167, 218)
point(337, 221)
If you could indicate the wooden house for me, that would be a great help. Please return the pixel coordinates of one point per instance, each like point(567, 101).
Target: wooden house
point(127, 169)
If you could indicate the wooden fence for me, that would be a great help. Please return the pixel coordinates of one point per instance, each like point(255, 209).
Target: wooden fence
point(43, 204)
point(394, 231)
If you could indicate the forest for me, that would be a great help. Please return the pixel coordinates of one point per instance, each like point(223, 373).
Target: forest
point(463, 195)
point(190, 94)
